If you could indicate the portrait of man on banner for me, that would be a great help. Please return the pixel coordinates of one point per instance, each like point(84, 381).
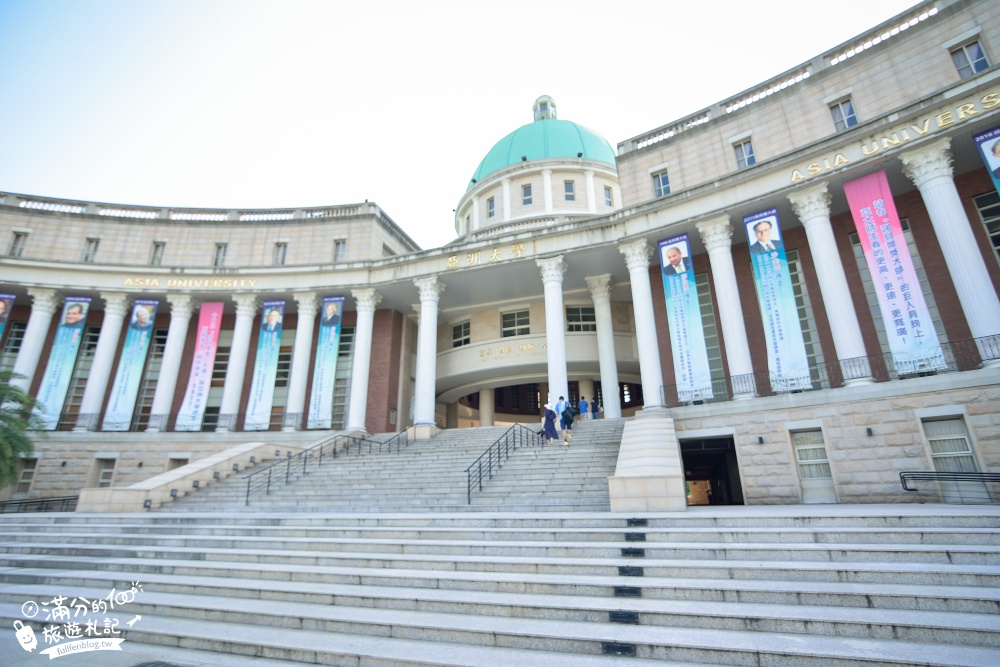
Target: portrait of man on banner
point(988, 143)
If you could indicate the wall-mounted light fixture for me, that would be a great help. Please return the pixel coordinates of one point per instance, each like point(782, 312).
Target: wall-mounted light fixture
point(869, 431)
point(173, 493)
point(760, 440)
point(147, 503)
point(216, 475)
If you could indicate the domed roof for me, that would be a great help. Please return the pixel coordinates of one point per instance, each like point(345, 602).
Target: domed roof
point(546, 137)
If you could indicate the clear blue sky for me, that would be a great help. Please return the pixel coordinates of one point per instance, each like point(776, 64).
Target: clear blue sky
point(254, 104)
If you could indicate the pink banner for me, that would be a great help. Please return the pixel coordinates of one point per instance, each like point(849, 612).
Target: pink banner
point(193, 408)
point(908, 326)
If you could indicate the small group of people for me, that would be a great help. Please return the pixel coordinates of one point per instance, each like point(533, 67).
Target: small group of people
point(567, 413)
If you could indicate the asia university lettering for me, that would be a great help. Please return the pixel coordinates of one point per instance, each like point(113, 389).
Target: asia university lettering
point(191, 283)
point(899, 136)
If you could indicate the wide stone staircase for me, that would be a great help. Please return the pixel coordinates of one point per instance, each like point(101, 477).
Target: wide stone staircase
point(430, 476)
point(811, 586)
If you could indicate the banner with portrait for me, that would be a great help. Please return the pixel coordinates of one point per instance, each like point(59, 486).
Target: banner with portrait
point(192, 410)
point(265, 368)
point(62, 359)
point(687, 336)
point(6, 306)
point(988, 143)
point(125, 390)
point(787, 361)
point(912, 340)
point(325, 368)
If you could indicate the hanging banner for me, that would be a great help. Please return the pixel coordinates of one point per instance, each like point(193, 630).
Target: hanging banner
point(786, 351)
point(6, 306)
point(125, 390)
point(912, 340)
point(325, 369)
point(687, 337)
point(988, 143)
point(265, 368)
point(59, 371)
point(200, 381)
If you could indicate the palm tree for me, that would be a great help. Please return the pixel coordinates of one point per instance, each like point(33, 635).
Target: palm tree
point(17, 419)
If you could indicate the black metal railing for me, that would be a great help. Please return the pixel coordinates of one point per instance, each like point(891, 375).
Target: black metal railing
point(514, 437)
point(955, 357)
point(61, 504)
point(954, 487)
point(397, 442)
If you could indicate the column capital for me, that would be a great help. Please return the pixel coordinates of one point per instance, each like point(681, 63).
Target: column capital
point(552, 269)
point(926, 163)
point(246, 304)
point(430, 288)
point(812, 203)
point(636, 253)
point(307, 303)
point(600, 287)
point(716, 233)
point(367, 299)
point(181, 305)
point(115, 303)
point(43, 299)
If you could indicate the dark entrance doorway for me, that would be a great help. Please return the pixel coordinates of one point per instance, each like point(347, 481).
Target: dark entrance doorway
point(711, 473)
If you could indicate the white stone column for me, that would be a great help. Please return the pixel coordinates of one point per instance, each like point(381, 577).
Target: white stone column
point(547, 192)
point(475, 214)
point(115, 307)
point(591, 194)
point(426, 372)
point(232, 390)
point(813, 208)
point(506, 199)
point(930, 169)
point(365, 302)
point(637, 254)
point(552, 270)
point(43, 306)
point(717, 234)
point(307, 306)
point(600, 292)
point(486, 412)
point(181, 307)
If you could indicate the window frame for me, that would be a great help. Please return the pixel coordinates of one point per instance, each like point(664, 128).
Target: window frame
point(609, 196)
point(519, 326)
point(339, 250)
point(491, 209)
point(157, 252)
point(280, 253)
point(661, 183)
point(968, 454)
point(974, 66)
point(17, 244)
point(578, 321)
point(988, 207)
point(526, 195)
point(744, 154)
point(90, 249)
point(569, 190)
point(846, 120)
point(461, 334)
point(219, 255)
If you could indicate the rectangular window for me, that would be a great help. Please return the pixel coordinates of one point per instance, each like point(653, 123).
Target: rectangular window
point(12, 345)
point(78, 380)
point(17, 244)
point(526, 194)
point(810, 454)
point(744, 154)
point(514, 324)
point(609, 196)
point(280, 250)
point(387, 251)
point(28, 467)
point(490, 208)
point(90, 250)
point(843, 115)
point(580, 318)
point(950, 448)
point(988, 206)
point(804, 308)
point(460, 334)
point(661, 184)
point(156, 259)
point(284, 370)
point(709, 327)
point(219, 258)
point(969, 59)
point(570, 189)
point(339, 250)
point(105, 472)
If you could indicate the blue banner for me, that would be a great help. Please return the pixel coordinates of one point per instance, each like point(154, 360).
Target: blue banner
point(62, 358)
point(687, 337)
point(325, 369)
point(265, 368)
point(786, 351)
point(121, 404)
point(988, 143)
point(6, 305)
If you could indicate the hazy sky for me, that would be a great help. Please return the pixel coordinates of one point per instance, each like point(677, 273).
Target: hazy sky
point(254, 104)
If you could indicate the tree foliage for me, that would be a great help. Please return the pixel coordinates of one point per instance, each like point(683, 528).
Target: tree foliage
point(17, 421)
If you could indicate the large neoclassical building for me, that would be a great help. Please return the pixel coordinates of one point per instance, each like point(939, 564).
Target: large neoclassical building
point(792, 294)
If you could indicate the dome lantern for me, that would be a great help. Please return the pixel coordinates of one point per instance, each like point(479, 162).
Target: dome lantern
point(544, 108)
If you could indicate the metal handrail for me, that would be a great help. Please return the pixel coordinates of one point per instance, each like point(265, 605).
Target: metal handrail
point(60, 504)
point(514, 437)
point(263, 479)
point(962, 487)
point(400, 440)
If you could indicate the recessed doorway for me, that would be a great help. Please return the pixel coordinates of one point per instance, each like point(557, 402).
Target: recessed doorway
point(711, 472)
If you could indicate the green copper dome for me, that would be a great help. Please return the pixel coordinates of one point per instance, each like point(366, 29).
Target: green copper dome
point(546, 137)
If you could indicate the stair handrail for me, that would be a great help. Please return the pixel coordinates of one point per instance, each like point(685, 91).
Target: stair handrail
point(516, 436)
point(400, 440)
point(263, 479)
